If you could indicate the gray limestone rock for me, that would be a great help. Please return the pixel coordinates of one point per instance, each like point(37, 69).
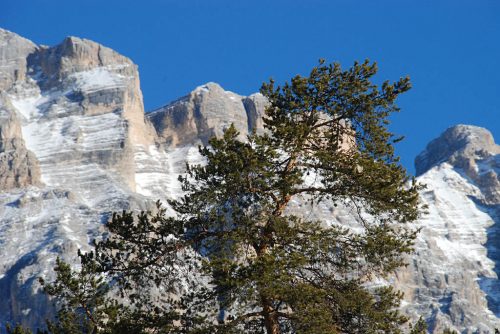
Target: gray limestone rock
point(18, 166)
point(457, 145)
point(255, 106)
point(452, 280)
point(14, 51)
point(470, 149)
point(75, 55)
point(71, 115)
point(205, 112)
point(85, 86)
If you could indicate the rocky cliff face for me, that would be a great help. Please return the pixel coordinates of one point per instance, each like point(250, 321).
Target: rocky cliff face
point(72, 134)
point(453, 278)
point(18, 166)
point(14, 52)
point(76, 145)
point(205, 113)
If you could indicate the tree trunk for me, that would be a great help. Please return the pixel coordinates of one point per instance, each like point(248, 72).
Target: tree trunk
point(271, 320)
point(270, 317)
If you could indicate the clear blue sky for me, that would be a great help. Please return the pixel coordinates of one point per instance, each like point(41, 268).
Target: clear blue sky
point(450, 49)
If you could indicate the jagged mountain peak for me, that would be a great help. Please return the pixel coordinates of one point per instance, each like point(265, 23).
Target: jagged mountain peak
point(6, 35)
point(207, 111)
point(80, 47)
point(209, 86)
point(14, 51)
point(456, 144)
point(216, 88)
point(75, 55)
point(459, 231)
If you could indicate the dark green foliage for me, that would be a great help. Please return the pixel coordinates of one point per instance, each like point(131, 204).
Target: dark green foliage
point(17, 330)
point(82, 298)
point(449, 331)
point(111, 293)
point(21, 330)
point(420, 327)
point(237, 258)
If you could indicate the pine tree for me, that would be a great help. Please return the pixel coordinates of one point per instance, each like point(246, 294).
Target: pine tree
point(237, 258)
point(420, 327)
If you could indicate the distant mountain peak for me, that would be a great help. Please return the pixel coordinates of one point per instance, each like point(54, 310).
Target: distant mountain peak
point(208, 86)
point(207, 111)
point(7, 34)
point(457, 143)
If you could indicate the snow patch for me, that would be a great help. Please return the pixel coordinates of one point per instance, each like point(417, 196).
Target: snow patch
point(97, 79)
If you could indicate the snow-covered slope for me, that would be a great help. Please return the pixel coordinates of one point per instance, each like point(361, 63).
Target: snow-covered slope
point(452, 279)
point(76, 145)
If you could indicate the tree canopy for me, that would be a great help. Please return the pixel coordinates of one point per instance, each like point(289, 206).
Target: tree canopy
point(239, 256)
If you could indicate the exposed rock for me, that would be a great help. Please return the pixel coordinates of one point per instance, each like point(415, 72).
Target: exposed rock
point(14, 51)
point(75, 55)
point(71, 116)
point(18, 166)
point(458, 145)
point(83, 89)
point(472, 151)
point(207, 112)
point(452, 280)
point(255, 106)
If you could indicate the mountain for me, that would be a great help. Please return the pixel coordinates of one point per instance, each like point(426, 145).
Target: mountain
point(76, 145)
point(453, 277)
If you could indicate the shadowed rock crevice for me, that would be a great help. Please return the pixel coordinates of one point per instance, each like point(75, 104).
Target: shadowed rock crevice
point(19, 303)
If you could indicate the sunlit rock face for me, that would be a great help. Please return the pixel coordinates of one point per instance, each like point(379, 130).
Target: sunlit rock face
point(18, 166)
point(72, 136)
point(452, 280)
point(76, 145)
point(207, 112)
point(14, 52)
